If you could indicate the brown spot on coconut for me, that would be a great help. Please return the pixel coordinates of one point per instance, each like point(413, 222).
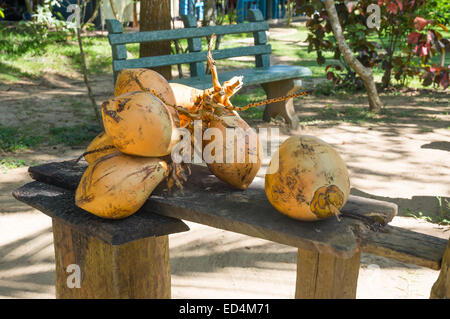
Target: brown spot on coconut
point(238, 174)
point(147, 126)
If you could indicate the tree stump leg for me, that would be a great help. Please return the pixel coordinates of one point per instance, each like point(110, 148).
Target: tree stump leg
point(138, 269)
point(441, 288)
point(324, 276)
point(283, 108)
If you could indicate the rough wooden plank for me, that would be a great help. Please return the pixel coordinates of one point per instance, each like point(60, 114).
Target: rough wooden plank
point(209, 201)
point(150, 36)
point(59, 204)
point(441, 288)
point(242, 207)
point(251, 76)
point(405, 246)
point(172, 59)
point(139, 269)
point(62, 174)
point(322, 276)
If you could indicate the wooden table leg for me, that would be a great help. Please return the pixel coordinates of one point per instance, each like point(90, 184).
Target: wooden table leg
point(441, 288)
point(323, 276)
point(138, 269)
point(283, 108)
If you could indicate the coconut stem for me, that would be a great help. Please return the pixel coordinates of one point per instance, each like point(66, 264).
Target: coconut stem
point(216, 100)
point(335, 211)
point(101, 149)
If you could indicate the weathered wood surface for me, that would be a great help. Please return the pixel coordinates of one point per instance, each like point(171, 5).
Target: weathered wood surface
point(209, 201)
point(194, 45)
point(176, 34)
point(251, 76)
point(185, 58)
point(139, 269)
point(259, 37)
point(405, 246)
point(441, 288)
point(59, 204)
point(323, 276)
point(283, 108)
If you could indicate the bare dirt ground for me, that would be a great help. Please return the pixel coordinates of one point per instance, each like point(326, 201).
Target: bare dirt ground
point(401, 157)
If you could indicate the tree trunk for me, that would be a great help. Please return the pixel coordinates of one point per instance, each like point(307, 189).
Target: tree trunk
point(289, 11)
point(441, 288)
point(135, 16)
point(155, 15)
point(114, 10)
point(209, 17)
point(94, 14)
point(85, 76)
point(375, 103)
point(29, 5)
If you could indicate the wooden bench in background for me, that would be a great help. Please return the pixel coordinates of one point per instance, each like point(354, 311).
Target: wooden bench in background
point(129, 258)
point(277, 80)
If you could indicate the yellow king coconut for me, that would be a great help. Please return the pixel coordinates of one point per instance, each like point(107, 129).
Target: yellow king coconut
point(240, 170)
point(140, 124)
point(117, 185)
point(100, 146)
point(307, 179)
point(144, 80)
point(186, 97)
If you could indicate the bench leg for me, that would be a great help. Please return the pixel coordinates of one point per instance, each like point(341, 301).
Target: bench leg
point(441, 288)
point(323, 276)
point(283, 108)
point(138, 269)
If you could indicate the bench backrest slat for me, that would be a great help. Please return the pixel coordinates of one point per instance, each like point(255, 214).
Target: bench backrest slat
point(196, 57)
point(163, 60)
point(176, 34)
point(260, 37)
point(194, 45)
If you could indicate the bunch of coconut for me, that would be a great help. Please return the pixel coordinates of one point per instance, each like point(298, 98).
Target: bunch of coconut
point(142, 122)
point(126, 160)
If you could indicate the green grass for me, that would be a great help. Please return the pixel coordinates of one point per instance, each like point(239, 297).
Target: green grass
point(26, 53)
point(242, 99)
point(23, 54)
point(73, 135)
point(13, 139)
point(16, 139)
point(443, 218)
point(11, 163)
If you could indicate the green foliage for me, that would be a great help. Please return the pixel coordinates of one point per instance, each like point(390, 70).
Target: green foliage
point(398, 46)
point(444, 213)
point(11, 163)
point(12, 139)
point(73, 135)
point(419, 215)
point(438, 10)
point(27, 39)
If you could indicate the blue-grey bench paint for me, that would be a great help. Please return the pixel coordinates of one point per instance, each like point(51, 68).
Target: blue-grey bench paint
point(263, 73)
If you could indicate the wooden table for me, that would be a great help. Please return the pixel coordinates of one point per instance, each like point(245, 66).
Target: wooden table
point(129, 258)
